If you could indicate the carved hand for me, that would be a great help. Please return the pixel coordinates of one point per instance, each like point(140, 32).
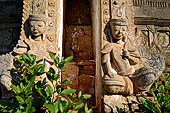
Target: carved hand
point(125, 53)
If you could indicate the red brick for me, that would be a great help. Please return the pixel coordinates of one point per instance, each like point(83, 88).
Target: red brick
point(86, 83)
point(72, 73)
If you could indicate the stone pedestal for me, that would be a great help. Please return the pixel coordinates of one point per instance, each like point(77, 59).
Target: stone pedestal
point(121, 104)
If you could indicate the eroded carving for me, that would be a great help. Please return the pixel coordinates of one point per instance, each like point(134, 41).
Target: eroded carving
point(128, 69)
point(37, 25)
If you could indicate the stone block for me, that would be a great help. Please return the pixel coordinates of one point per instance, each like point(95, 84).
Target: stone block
point(87, 72)
point(86, 63)
point(78, 12)
point(86, 84)
point(79, 40)
point(89, 68)
point(72, 73)
point(119, 104)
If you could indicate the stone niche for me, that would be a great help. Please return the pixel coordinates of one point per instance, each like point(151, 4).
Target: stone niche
point(79, 43)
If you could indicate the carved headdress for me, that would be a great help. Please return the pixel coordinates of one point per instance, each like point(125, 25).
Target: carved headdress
point(121, 22)
point(118, 14)
point(37, 17)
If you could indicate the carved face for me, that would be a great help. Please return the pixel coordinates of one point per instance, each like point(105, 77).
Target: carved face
point(118, 31)
point(37, 27)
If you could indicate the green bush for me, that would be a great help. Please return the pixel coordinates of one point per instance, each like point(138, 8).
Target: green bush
point(161, 95)
point(31, 96)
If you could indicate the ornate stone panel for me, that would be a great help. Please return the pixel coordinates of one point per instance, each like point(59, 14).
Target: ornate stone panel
point(34, 13)
point(152, 12)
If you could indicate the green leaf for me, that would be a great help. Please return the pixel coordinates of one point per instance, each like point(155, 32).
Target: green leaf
point(19, 89)
point(56, 77)
point(20, 61)
point(68, 59)
point(26, 58)
point(86, 96)
point(68, 91)
point(86, 108)
point(30, 70)
point(20, 99)
point(18, 111)
point(148, 104)
point(78, 106)
point(30, 85)
point(14, 89)
point(66, 81)
point(58, 88)
point(60, 107)
point(51, 70)
point(56, 104)
point(90, 111)
point(50, 107)
point(52, 55)
point(49, 90)
point(56, 60)
point(29, 99)
point(74, 95)
point(39, 61)
point(161, 88)
point(80, 94)
point(42, 92)
point(40, 69)
point(28, 108)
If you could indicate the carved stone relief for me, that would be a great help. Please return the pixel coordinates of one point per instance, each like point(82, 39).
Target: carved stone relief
point(127, 67)
point(38, 37)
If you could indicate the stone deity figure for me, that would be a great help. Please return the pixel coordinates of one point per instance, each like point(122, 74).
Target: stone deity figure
point(127, 70)
point(119, 49)
point(117, 59)
point(38, 43)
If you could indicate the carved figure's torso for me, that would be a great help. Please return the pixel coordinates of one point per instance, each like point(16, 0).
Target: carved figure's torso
point(117, 59)
point(40, 48)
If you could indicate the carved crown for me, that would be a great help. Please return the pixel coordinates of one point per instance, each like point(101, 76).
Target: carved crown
point(121, 22)
point(118, 10)
point(37, 17)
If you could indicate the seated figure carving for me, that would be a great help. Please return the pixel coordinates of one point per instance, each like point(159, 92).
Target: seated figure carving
point(124, 65)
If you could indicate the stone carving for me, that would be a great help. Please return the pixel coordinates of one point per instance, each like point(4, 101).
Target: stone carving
point(7, 75)
point(152, 12)
point(117, 59)
point(119, 10)
point(36, 38)
point(37, 26)
point(127, 69)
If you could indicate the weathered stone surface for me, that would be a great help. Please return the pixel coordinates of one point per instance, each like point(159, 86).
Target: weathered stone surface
point(78, 40)
point(87, 72)
point(86, 84)
point(72, 73)
point(120, 104)
point(86, 63)
point(152, 12)
point(78, 12)
point(89, 68)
